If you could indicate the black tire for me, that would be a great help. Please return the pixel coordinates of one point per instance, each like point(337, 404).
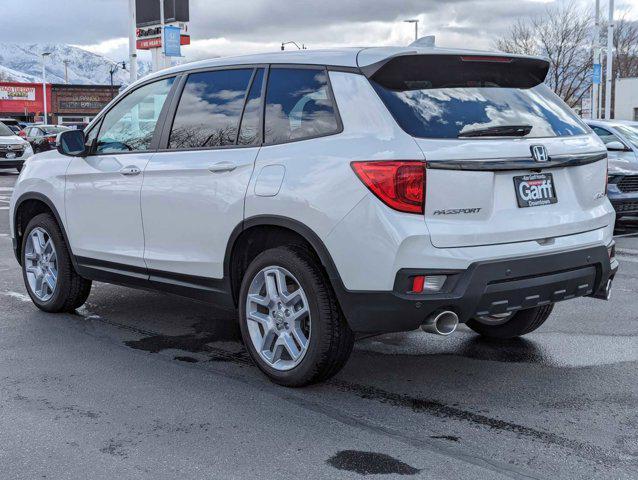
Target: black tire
point(331, 339)
point(71, 290)
point(521, 323)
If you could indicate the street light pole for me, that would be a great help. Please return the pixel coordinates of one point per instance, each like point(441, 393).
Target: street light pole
point(132, 46)
point(596, 52)
point(66, 71)
point(162, 57)
point(416, 27)
point(610, 59)
point(44, 87)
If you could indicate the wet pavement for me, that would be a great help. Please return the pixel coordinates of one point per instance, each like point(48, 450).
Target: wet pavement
point(145, 385)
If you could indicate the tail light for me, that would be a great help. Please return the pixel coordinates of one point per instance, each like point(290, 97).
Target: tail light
point(51, 139)
point(22, 133)
point(398, 184)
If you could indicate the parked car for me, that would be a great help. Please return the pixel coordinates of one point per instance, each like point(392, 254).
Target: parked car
point(13, 150)
point(621, 139)
point(325, 194)
point(43, 137)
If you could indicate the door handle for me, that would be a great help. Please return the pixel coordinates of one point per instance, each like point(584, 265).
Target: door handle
point(130, 171)
point(222, 167)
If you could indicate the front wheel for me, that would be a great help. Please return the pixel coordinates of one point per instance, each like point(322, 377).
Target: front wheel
point(51, 281)
point(290, 320)
point(511, 325)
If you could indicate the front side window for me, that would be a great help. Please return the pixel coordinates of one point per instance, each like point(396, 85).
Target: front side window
point(605, 135)
point(210, 109)
point(630, 132)
point(130, 125)
point(298, 105)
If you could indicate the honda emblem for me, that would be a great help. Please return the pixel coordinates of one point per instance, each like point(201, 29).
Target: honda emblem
point(539, 153)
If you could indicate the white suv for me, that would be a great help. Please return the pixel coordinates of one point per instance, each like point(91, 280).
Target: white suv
point(325, 194)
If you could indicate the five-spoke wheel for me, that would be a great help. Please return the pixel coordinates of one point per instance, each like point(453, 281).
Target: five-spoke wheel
point(41, 264)
point(278, 317)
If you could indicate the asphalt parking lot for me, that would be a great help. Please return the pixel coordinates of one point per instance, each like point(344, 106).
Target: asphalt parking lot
point(141, 385)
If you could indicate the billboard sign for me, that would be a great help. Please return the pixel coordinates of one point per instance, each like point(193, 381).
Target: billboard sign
point(172, 41)
point(147, 12)
point(17, 93)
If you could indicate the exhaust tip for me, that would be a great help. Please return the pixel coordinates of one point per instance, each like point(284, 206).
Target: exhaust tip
point(441, 323)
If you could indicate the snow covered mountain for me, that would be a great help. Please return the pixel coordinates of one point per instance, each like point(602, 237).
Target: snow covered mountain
point(23, 63)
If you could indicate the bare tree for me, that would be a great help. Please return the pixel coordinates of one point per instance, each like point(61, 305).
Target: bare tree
point(626, 48)
point(562, 34)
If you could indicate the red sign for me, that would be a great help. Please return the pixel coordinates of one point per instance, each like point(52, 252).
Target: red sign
point(156, 42)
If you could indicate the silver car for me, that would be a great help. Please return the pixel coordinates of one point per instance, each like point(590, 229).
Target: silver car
point(621, 139)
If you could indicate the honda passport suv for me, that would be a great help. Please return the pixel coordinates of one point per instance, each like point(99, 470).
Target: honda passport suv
point(328, 194)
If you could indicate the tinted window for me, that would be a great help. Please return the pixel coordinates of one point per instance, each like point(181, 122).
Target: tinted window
point(130, 125)
point(5, 131)
point(249, 133)
point(630, 133)
point(605, 135)
point(298, 105)
point(210, 109)
point(447, 112)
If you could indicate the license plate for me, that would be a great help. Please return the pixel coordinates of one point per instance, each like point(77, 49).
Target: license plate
point(535, 189)
point(10, 155)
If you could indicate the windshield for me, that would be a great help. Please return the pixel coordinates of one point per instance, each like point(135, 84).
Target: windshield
point(630, 133)
point(5, 131)
point(454, 111)
point(53, 130)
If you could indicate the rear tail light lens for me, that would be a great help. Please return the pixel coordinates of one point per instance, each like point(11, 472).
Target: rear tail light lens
point(51, 139)
point(398, 184)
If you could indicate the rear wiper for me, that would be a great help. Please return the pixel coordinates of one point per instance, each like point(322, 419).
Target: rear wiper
point(501, 131)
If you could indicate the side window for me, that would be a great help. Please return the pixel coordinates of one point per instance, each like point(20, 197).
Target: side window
point(605, 135)
point(130, 125)
point(210, 109)
point(91, 136)
point(298, 105)
point(249, 133)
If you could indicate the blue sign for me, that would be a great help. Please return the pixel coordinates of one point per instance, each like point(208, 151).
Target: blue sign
point(172, 44)
point(596, 75)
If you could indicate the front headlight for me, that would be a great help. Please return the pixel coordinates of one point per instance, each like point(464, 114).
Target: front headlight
point(28, 151)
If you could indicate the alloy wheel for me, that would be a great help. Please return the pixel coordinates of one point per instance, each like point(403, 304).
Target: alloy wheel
point(278, 318)
point(41, 264)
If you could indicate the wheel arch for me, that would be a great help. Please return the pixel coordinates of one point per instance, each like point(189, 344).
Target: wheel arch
point(276, 230)
point(29, 205)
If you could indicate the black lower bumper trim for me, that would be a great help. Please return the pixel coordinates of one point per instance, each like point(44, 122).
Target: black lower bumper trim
point(485, 288)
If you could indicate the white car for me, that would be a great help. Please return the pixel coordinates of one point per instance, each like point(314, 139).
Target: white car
point(13, 149)
point(621, 139)
point(325, 194)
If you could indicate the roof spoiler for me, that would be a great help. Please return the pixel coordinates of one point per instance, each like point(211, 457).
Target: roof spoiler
point(437, 70)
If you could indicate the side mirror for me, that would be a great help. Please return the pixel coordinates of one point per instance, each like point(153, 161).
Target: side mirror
point(616, 146)
point(72, 143)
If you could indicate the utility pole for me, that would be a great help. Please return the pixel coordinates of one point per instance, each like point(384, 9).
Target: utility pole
point(132, 46)
point(44, 87)
point(66, 71)
point(416, 27)
point(597, 69)
point(610, 60)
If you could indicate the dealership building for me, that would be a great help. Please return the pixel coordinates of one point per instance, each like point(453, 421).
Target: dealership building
point(66, 104)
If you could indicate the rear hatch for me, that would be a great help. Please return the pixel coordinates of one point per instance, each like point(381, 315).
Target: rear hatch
point(507, 160)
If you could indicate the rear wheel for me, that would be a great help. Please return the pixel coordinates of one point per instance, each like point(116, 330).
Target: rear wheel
point(290, 321)
point(511, 325)
point(49, 276)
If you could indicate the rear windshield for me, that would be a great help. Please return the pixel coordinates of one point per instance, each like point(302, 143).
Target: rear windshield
point(470, 96)
point(54, 130)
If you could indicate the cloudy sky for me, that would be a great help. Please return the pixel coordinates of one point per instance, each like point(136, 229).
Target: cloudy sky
point(228, 27)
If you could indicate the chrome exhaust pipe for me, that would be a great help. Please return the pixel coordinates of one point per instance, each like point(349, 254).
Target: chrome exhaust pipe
point(441, 323)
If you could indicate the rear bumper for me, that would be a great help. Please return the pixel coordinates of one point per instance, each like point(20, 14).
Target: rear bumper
point(484, 288)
